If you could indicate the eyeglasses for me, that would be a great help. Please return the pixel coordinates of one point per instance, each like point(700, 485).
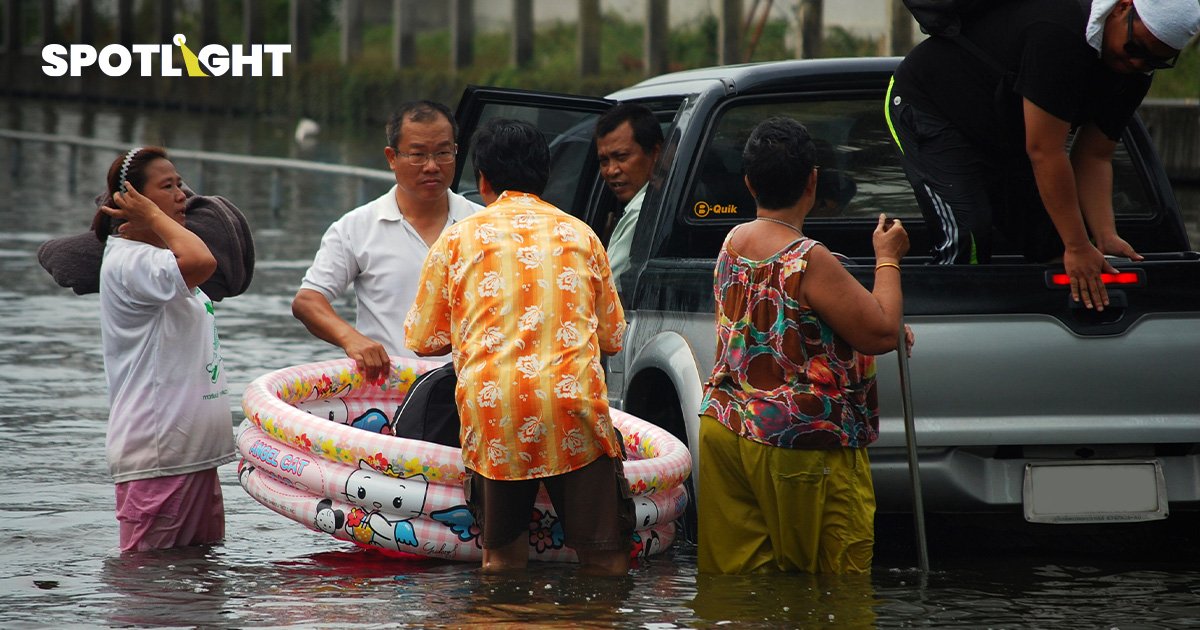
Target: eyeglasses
point(1138, 51)
point(421, 159)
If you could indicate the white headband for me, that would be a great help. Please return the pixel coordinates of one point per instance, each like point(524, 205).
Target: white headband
point(125, 168)
point(1172, 22)
point(1095, 27)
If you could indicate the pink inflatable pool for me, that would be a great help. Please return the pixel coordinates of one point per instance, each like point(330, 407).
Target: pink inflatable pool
point(312, 451)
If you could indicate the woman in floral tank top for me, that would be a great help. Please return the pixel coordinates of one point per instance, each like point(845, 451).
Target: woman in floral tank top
point(791, 403)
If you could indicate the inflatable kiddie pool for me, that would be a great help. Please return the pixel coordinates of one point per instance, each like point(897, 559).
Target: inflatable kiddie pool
point(312, 451)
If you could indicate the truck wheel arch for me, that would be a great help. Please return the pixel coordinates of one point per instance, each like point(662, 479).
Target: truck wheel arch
point(665, 388)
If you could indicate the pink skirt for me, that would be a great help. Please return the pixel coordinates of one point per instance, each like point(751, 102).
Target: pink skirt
point(174, 511)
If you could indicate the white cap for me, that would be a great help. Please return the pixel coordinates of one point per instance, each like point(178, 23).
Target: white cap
point(1172, 22)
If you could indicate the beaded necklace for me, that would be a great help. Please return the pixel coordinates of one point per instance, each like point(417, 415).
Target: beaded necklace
point(785, 223)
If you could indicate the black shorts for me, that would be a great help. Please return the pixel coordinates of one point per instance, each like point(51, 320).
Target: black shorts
point(973, 203)
point(593, 505)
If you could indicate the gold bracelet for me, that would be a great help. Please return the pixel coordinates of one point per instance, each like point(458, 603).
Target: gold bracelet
point(887, 264)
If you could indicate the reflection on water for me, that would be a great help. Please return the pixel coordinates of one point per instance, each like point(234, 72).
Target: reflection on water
point(834, 601)
point(61, 565)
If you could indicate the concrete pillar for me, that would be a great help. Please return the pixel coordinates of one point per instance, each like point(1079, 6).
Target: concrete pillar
point(589, 37)
point(811, 20)
point(657, 33)
point(210, 31)
point(901, 29)
point(404, 47)
point(50, 34)
point(12, 27)
point(166, 21)
point(462, 34)
point(125, 23)
point(521, 50)
point(729, 34)
point(300, 31)
point(352, 17)
point(252, 22)
point(85, 20)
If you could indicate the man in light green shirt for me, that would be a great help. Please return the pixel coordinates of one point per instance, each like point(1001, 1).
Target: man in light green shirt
point(628, 141)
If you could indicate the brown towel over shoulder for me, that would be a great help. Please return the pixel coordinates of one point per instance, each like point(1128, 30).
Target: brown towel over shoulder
point(74, 261)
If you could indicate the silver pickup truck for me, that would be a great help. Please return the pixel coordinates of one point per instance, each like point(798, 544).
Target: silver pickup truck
point(1023, 402)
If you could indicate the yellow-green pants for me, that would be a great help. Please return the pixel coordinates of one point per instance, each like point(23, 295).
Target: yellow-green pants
point(765, 508)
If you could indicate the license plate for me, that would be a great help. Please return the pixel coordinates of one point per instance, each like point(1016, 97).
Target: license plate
point(1099, 491)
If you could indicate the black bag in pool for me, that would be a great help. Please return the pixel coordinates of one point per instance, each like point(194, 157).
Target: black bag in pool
point(429, 412)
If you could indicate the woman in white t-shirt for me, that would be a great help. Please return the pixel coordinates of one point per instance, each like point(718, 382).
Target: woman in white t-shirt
point(169, 423)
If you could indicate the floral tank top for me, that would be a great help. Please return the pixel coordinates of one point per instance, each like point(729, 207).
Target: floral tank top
point(782, 377)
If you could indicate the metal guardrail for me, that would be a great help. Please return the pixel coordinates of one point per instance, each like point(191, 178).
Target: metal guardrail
point(276, 165)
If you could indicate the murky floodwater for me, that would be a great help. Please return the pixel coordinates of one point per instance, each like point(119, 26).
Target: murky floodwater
point(58, 534)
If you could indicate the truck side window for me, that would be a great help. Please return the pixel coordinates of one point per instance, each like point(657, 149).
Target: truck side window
point(1130, 198)
point(859, 174)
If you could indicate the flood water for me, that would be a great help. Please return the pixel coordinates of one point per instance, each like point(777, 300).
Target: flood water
point(58, 534)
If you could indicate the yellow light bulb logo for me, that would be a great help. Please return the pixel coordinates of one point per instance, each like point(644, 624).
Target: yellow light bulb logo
point(189, 57)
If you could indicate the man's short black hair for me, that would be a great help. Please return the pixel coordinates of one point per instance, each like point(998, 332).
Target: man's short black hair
point(512, 155)
point(417, 111)
point(646, 130)
point(778, 158)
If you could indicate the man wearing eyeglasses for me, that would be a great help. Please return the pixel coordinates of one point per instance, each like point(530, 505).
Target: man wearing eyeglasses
point(378, 248)
point(984, 134)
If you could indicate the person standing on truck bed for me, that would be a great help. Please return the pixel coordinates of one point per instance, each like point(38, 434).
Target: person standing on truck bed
point(378, 247)
point(791, 403)
point(628, 141)
point(983, 134)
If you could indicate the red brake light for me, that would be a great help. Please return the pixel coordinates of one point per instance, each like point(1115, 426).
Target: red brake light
point(1122, 277)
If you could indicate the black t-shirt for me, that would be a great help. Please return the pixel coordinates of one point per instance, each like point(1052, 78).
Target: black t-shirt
point(1042, 45)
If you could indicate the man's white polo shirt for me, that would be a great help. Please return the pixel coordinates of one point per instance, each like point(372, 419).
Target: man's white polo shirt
point(375, 250)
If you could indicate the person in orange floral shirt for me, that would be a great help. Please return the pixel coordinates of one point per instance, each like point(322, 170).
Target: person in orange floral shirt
point(523, 294)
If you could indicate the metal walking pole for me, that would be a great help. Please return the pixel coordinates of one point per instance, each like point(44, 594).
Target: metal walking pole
point(910, 437)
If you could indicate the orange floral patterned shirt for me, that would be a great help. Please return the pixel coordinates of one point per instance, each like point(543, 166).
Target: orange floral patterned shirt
point(523, 294)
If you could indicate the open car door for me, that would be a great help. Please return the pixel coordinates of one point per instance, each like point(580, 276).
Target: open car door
point(567, 122)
